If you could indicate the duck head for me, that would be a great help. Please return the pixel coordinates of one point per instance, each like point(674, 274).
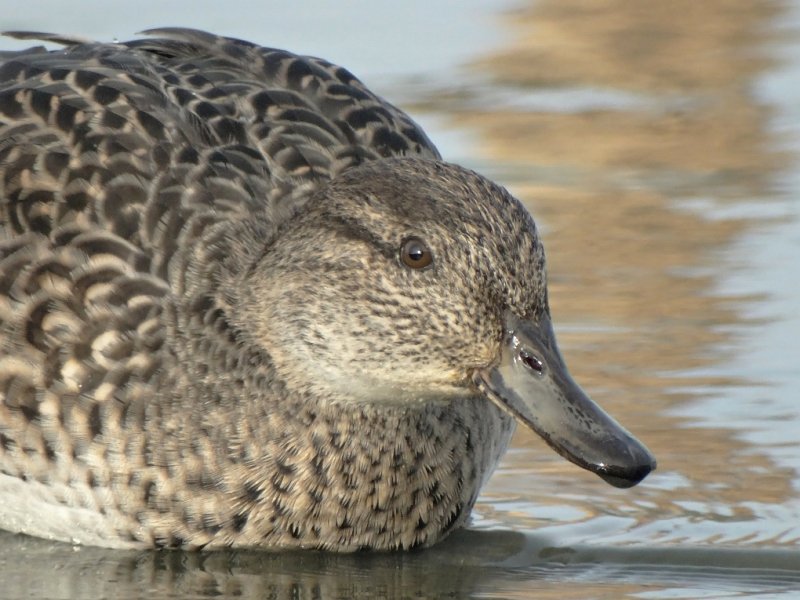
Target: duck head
point(408, 280)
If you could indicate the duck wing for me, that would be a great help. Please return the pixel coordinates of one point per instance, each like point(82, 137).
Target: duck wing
point(120, 163)
point(285, 124)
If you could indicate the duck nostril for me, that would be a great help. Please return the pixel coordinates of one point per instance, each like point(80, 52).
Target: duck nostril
point(530, 361)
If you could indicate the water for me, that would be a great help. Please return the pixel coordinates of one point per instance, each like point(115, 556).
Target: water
point(658, 147)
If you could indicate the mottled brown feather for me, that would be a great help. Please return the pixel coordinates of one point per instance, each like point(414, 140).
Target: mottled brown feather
point(181, 217)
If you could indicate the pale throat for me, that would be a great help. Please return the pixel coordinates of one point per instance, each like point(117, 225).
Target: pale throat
point(326, 366)
point(351, 384)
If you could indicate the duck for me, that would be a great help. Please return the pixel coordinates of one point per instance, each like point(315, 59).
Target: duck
point(245, 302)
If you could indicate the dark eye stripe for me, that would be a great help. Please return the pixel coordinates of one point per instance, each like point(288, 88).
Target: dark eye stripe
point(353, 229)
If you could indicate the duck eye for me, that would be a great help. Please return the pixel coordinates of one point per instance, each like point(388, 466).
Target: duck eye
point(415, 253)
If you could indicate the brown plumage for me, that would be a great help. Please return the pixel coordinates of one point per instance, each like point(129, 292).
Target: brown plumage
point(209, 334)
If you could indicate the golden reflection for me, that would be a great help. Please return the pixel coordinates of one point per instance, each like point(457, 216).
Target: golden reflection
point(670, 46)
point(633, 285)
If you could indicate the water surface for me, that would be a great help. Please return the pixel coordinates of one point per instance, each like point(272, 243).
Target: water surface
point(657, 145)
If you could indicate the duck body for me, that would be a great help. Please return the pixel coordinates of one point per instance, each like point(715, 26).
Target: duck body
point(217, 327)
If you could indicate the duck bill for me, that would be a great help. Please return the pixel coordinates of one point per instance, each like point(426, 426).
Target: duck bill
point(531, 382)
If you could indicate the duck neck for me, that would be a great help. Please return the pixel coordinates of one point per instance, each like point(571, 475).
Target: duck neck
point(304, 465)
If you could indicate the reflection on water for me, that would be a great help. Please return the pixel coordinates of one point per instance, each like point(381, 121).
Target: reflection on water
point(485, 564)
point(635, 271)
point(639, 137)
